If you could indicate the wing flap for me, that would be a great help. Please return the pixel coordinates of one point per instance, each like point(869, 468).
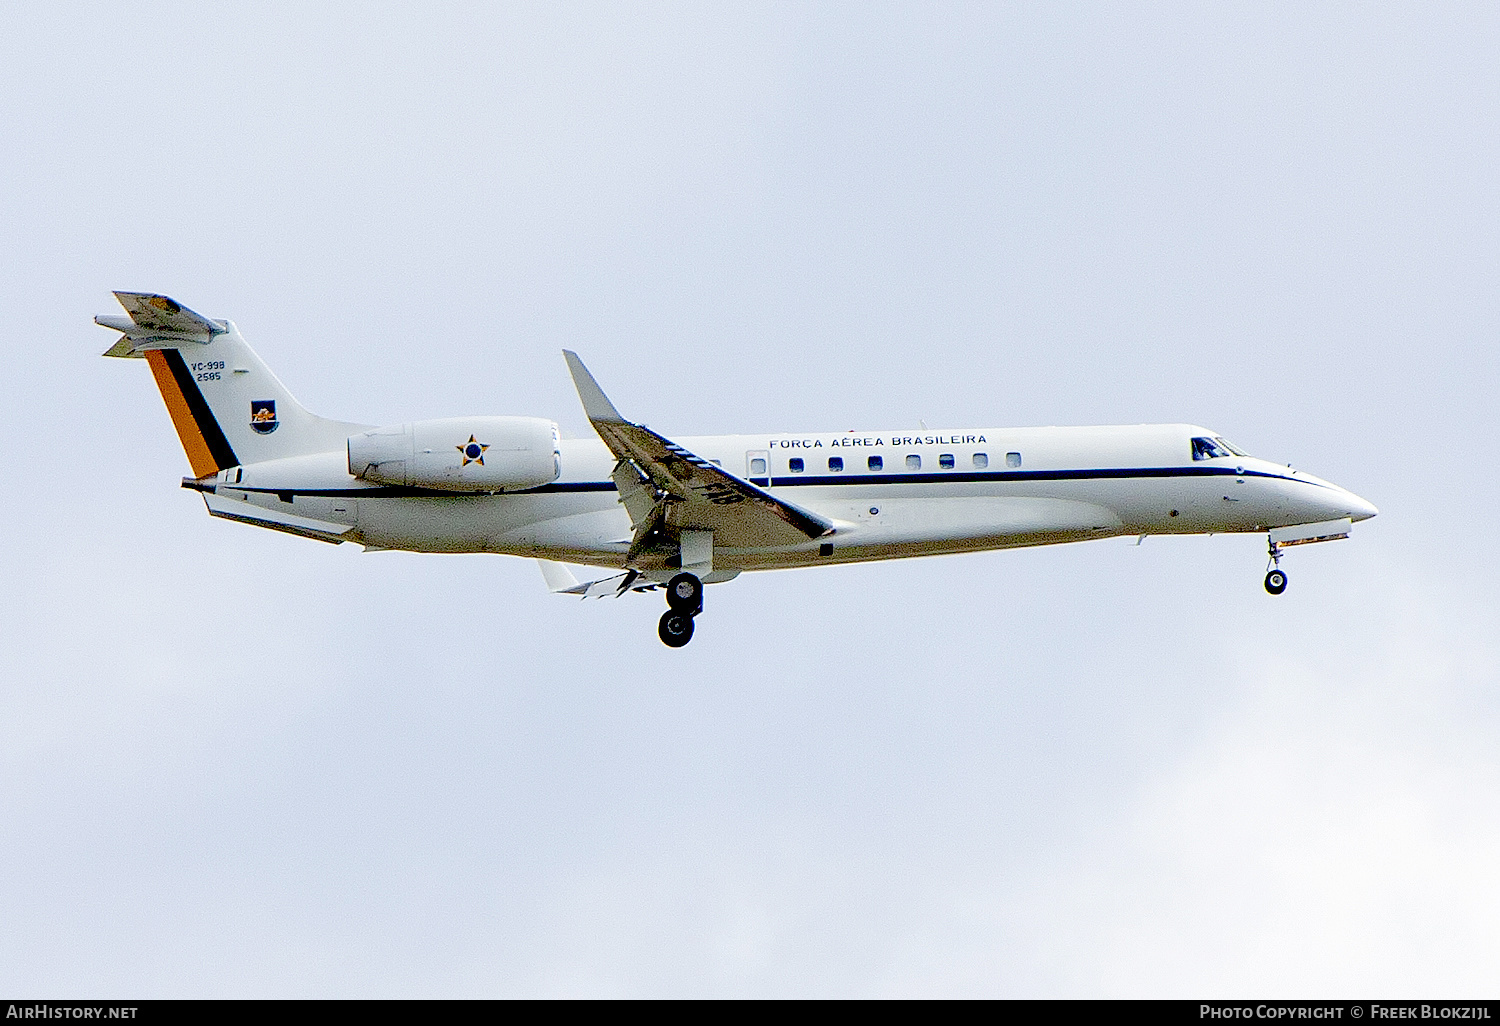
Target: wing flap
point(561, 581)
point(637, 494)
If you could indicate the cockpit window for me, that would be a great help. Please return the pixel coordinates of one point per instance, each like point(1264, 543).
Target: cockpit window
point(1231, 447)
point(1208, 448)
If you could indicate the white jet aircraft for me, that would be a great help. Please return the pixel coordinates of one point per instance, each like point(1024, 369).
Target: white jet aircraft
point(702, 510)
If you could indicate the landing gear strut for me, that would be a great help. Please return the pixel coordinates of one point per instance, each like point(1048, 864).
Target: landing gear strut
point(685, 599)
point(1275, 577)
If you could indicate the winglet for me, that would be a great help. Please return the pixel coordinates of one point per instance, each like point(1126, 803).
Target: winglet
point(595, 403)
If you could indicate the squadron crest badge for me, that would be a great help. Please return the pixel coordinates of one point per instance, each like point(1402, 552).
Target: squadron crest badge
point(263, 416)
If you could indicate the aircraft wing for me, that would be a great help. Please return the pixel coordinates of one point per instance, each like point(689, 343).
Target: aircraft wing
point(663, 486)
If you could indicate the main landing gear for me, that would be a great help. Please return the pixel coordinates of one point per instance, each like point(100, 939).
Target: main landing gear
point(685, 599)
point(1275, 577)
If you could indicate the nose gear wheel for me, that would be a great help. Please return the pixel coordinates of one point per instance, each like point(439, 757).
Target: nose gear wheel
point(1275, 576)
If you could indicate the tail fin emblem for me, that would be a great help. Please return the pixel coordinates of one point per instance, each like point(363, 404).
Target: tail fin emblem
point(263, 416)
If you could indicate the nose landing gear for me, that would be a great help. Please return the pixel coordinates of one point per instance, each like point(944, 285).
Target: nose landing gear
point(1275, 577)
point(685, 599)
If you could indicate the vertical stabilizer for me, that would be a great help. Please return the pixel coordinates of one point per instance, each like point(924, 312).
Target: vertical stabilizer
point(227, 406)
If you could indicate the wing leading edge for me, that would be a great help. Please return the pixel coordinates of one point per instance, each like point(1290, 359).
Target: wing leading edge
point(667, 489)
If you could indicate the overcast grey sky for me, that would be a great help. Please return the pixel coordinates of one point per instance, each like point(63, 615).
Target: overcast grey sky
point(239, 763)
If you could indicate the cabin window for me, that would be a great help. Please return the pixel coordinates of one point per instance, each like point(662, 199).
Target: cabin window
point(875, 463)
point(1208, 449)
point(795, 464)
point(913, 462)
point(1012, 459)
point(945, 461)
point(981, 460)
point(758, 467)
point(835, 463)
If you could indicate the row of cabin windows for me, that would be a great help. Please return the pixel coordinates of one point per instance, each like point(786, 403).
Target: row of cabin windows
point(913, 462)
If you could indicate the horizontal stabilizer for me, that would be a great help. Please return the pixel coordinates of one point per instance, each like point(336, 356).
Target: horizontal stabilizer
point(151, 312)
point(154, 321)
point(123, 349)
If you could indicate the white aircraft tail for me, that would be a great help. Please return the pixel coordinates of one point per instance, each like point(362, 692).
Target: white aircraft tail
point(227, 406)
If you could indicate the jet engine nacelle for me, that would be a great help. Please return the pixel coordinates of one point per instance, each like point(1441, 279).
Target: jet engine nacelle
point(459, 454)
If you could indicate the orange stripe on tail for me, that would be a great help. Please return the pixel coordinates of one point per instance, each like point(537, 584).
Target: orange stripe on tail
point(200, 457)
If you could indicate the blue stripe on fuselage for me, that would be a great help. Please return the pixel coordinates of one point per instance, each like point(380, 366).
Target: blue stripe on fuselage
point(804, 480)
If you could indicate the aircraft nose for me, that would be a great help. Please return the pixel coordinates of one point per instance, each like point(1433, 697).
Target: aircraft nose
point(1358, 509)
point(1349, 504)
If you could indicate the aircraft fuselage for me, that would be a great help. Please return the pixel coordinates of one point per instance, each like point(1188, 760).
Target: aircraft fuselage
point(889, 495)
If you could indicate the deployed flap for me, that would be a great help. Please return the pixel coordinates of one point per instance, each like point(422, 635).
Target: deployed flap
point(637, 494)
point(560, 581)
point(703, 497)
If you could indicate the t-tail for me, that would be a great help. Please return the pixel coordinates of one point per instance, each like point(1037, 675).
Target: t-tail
point(227, 406)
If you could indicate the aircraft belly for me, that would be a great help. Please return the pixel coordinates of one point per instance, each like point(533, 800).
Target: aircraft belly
point(929, 526)
point(490, 523)
point(599, 537)
point(1008, 520)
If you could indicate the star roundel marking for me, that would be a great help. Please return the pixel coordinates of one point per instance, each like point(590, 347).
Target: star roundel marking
point(473, 451)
